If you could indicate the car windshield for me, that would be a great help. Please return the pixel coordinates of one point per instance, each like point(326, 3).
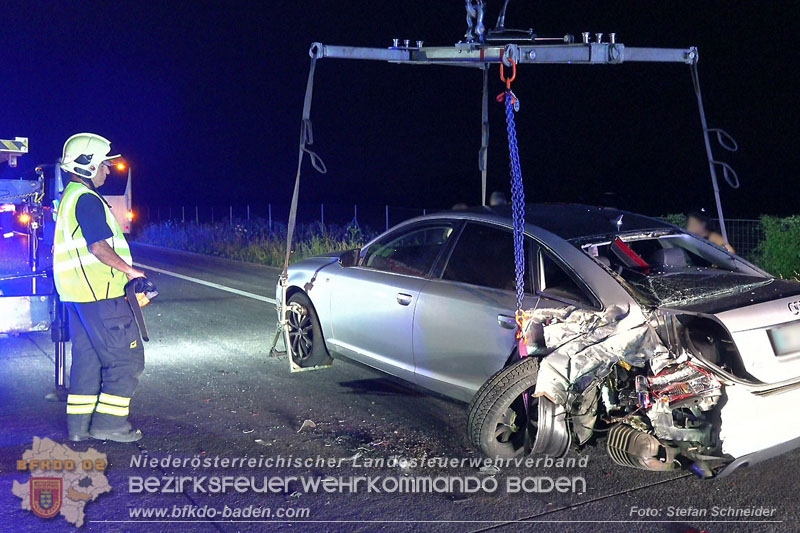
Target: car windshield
point(672, 268)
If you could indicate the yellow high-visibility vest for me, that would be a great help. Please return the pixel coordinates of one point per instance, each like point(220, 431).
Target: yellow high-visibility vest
point(79, 275)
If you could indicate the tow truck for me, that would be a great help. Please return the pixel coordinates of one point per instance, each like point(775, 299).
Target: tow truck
point(28, 299)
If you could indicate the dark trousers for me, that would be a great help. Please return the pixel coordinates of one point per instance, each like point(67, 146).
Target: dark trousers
point(107, 358)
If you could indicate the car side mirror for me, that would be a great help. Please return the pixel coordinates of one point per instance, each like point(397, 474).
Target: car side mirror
point(350, 258)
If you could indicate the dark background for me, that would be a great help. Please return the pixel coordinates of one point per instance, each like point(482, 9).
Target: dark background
point(204, 99)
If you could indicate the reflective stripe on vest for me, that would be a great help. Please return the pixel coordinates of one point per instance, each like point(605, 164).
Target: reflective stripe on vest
point(79, 275)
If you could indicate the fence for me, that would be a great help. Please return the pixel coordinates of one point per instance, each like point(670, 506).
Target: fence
point(744, 234)
point(375, 217)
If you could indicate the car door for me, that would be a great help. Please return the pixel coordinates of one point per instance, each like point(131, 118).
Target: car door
point(464, 328)
point(373, 303)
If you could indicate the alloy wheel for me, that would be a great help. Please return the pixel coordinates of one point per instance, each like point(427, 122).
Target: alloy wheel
point(301, 333)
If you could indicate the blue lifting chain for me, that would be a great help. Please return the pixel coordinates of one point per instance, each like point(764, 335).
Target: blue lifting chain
point(517, 191)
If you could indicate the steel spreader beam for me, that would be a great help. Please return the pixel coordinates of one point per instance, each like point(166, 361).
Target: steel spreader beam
point(478, 56)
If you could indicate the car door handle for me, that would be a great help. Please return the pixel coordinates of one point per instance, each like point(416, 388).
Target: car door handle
point(403, 298)
point(506, 322)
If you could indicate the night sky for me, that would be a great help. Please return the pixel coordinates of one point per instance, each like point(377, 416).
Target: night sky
point(204, 98)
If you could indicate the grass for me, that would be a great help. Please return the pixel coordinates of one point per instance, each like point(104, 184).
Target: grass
point(253, 241)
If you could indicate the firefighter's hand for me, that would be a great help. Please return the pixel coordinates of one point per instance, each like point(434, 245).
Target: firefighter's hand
point(133, 274)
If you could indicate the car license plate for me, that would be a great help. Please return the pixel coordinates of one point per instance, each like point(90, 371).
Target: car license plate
point(786, 338)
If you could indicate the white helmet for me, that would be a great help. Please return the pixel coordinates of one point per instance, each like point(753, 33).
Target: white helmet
point(84, 152)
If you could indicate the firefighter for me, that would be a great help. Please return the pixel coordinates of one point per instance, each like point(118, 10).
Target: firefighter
point(91, 265)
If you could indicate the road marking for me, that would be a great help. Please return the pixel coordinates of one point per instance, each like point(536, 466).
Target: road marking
point(209, 284)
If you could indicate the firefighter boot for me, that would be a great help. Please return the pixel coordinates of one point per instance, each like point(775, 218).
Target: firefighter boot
point(120, 435)
point(78, 427)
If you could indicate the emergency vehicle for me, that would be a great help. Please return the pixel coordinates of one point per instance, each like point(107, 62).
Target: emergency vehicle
point(28, 298)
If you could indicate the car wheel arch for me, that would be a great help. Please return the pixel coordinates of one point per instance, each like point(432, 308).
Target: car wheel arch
point(293, 290)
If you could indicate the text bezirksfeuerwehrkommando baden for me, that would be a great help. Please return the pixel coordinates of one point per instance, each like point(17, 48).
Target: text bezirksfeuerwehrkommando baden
point(353, 484)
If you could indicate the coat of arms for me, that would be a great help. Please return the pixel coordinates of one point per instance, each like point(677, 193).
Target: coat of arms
point(46, 495)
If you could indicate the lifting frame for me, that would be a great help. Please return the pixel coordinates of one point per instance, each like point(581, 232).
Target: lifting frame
point(482, 56)
point(481, 50)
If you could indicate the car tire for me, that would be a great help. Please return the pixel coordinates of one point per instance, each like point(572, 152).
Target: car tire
point(498, 408)
point(305, 333)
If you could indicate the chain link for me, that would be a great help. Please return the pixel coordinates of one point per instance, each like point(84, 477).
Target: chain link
point(517, 202)
point(7, 198)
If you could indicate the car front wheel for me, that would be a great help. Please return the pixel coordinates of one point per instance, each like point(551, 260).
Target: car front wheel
point(305, 333)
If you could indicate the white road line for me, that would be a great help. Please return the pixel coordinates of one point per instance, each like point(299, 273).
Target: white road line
point(209, 284)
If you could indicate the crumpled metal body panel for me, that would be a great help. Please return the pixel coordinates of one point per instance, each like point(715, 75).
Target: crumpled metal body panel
point(585, 345)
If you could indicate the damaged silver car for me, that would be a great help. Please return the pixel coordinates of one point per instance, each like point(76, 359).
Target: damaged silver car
point(677, 353)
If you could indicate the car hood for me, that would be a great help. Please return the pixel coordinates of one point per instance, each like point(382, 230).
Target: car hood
point(711, 291)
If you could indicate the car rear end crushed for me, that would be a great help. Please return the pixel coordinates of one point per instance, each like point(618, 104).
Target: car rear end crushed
point(739, 324)
point(680, 356)
point(750, 339)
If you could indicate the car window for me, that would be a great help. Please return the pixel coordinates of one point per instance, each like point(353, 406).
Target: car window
point(554, 280)
point(669, 253)
point(484, 256)
point(411, 251)
point(668, 268)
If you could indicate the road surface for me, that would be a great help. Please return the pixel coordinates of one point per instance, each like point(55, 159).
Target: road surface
point(211, 390)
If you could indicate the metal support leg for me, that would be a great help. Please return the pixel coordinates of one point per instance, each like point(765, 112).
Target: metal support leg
point(59, 334)
point(709, 154)
point(273, 351)
point(280, 327)
point(61, 365)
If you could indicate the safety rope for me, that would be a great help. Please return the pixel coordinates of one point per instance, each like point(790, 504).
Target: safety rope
point(517, 190)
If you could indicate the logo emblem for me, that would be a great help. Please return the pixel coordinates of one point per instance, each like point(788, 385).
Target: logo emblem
point(794, 307)
point(46, 496)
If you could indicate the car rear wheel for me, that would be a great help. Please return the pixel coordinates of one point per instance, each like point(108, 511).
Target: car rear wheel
point(499, 424)
point(305, 333)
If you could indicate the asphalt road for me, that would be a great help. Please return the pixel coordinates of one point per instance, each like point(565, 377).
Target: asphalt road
point(211, 390)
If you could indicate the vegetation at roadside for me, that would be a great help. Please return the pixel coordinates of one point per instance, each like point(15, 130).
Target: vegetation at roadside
point(779, 252)
point(253, 241)
point(678, 219)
